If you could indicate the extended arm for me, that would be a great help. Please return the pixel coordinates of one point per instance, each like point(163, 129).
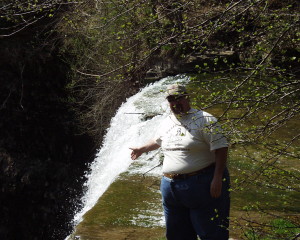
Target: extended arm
point(216, 184)
point(150, 146)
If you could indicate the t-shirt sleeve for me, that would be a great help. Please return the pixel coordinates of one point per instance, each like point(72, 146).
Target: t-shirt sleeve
point(213, 133)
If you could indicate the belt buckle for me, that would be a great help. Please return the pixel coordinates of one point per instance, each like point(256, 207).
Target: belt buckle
point(174, 175)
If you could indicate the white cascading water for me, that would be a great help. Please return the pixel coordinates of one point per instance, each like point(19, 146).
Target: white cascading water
point(134, 123)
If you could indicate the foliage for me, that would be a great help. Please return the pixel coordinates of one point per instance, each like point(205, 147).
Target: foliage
point(112, 44)
point(19, 15)
point(259, 114)
point(276, 229)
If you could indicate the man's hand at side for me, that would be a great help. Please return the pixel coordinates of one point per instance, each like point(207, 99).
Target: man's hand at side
point(216, 184)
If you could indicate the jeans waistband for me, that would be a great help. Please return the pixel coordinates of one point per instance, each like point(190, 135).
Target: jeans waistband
point(187, 175)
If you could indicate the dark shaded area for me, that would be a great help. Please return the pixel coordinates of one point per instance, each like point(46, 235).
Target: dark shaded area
point(42, 155)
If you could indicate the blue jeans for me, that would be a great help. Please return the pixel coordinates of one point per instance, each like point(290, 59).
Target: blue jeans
point(190, 210)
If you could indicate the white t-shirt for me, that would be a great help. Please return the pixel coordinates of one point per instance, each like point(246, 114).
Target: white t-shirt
point(188, 143)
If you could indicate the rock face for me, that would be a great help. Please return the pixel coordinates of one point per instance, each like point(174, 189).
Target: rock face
point(164, 66)
point(42, 156)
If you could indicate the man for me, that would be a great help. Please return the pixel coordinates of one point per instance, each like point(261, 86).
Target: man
point(195, 182)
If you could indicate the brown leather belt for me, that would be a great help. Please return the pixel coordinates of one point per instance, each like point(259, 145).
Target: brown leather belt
point(186, 175)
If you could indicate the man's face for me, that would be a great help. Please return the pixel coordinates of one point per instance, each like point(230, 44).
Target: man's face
point(179, 104)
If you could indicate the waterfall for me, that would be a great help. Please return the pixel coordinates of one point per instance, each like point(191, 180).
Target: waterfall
point(133, 125)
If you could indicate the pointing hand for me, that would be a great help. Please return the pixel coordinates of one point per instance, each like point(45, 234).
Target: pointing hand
point(136, 152)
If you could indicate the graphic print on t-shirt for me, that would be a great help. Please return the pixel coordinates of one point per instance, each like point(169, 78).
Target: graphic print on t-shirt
point(175, 140)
